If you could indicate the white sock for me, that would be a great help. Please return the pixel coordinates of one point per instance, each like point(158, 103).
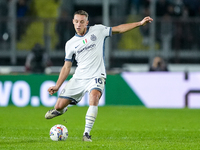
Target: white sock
point(63, 110)
point(90, 118)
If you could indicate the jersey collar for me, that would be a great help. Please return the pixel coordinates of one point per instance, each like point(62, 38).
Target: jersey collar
point(84, 34)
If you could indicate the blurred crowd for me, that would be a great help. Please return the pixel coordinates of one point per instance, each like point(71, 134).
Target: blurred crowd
point(174, 27)
point(22, 10)
point(169, 28)
point(167, 7)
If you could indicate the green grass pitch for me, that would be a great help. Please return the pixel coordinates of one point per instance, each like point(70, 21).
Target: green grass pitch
point(116, 127)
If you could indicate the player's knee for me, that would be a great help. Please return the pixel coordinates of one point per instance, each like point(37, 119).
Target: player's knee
point(94, 99)
point(95, 94)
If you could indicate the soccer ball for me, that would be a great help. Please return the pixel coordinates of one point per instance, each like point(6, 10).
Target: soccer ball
point(58, 133)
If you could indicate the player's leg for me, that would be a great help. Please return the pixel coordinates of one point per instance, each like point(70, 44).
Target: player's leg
point(59, 109)
point(95, 87)
point(62, 103)
point(91, 113)
point(67, 95)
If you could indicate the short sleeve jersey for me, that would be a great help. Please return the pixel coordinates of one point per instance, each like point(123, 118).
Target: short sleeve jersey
point(89, 52)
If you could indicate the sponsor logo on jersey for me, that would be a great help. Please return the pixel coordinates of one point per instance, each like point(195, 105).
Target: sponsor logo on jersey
point(88, 48)
point(93, 37)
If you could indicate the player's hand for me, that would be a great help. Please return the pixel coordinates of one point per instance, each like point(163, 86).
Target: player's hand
point(52, 90)
point(146, 20)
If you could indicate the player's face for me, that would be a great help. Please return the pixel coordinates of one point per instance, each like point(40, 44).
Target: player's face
point(80, 24)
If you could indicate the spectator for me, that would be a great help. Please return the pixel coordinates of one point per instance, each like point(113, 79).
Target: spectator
point(37, 60)
point(158, 65)
point(22, 10)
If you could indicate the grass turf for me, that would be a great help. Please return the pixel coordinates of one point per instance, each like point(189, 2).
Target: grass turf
point(116, 127)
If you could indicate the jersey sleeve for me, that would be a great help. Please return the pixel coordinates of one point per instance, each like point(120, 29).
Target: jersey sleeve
point(106, 31)
point(68, 53)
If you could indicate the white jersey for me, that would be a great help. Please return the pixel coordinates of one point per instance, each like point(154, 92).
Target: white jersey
point(89, 52)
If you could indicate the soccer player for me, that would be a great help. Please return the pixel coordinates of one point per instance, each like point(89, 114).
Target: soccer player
point(87, 45)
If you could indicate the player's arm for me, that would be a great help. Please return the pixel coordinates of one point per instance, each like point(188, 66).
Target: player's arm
point(62, 77)
point(129, 26)
point(64, 73)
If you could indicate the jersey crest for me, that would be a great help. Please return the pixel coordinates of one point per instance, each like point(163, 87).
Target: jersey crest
point(93, 37)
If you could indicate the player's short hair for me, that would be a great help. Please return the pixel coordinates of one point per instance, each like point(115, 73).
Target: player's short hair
point(81, 12)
